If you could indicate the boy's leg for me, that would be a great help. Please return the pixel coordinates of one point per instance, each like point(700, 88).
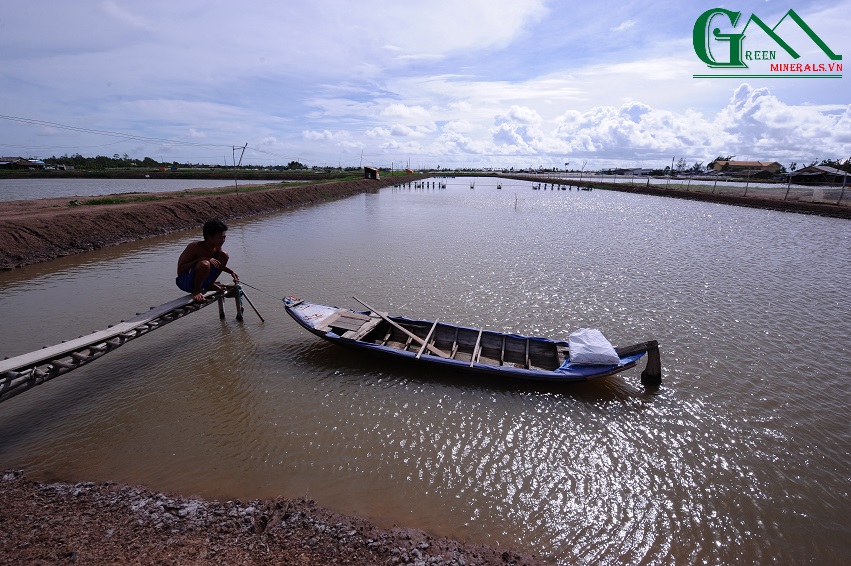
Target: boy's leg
point(210, 282)
point(202, 271)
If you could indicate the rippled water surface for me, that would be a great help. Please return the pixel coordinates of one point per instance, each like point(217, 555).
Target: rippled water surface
point(741, 457)
point(28, 189)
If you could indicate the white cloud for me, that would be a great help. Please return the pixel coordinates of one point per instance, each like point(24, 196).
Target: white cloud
point(403, 111)
point(759, 120)
point(120, 14)
point(458, 126)
point(522, 114)
point(623, 26)
point(323, 135)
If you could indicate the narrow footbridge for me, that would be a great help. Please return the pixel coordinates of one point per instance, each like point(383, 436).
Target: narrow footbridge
point(24, 372)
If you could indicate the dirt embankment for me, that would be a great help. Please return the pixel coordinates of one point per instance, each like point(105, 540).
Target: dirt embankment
point(88, 523)
point(40, 230)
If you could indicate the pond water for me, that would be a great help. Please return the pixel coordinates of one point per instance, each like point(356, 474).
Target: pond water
point(741, 457)
point(29, 189)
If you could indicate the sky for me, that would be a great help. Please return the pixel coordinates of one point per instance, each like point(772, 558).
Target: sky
point(425, 84)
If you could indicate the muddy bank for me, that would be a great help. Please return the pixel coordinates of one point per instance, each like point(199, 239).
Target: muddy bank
point(88, 523)
point(40, 230)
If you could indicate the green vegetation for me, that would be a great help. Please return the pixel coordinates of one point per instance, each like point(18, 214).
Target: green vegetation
point(117, 161)
point(117, 200)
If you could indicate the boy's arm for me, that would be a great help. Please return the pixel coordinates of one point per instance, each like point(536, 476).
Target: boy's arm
point(218, 265)
point(189, 256)
point(233, 274)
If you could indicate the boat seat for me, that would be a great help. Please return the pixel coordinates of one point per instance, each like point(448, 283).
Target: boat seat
point(364, 329)
point(345, 320)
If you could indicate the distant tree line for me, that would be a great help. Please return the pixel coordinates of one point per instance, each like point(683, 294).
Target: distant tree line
point(122, 161)
point(101, 161)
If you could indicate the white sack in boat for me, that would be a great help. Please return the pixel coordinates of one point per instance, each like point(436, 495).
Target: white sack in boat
point(588, 346)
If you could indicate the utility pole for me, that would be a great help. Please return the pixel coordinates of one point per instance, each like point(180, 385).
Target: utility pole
point(670, 172)
point(235, 166)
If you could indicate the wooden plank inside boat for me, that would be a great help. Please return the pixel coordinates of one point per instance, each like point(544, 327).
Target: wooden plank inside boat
point(427, 340)
point(477, 348)
point(348, 320)
point(365, 329)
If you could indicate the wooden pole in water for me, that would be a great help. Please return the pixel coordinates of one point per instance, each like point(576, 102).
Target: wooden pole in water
point(251, 305)
point(237, 299)
point(652, 374)
point(788, 186)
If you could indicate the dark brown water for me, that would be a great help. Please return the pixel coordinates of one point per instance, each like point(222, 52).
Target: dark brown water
point(741, 457)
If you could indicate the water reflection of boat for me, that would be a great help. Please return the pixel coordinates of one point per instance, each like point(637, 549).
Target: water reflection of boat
point(467, 349)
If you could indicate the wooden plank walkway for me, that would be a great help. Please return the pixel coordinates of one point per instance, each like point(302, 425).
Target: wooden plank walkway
point(24, 372)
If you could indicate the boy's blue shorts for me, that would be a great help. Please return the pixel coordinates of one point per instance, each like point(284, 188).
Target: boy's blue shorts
point(187, 280)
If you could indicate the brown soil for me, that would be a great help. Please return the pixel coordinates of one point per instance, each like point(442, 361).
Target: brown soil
point(39, 230)
point(87, 523)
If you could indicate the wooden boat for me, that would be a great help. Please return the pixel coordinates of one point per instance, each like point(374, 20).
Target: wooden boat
point(468, 349)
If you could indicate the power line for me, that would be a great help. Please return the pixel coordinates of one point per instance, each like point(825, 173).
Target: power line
point(107, 133)
point(125, 137)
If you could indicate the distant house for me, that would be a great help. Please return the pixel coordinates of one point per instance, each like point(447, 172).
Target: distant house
point(745, 167)
point(370, 173)
point(756, 173)
point(819, 174)
point(20, 163)
point(633, 171)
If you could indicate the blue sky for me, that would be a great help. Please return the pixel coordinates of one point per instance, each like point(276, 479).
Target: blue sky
point(479, 83)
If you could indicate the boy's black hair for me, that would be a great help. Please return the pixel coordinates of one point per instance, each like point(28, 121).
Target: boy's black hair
point(213, 227)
